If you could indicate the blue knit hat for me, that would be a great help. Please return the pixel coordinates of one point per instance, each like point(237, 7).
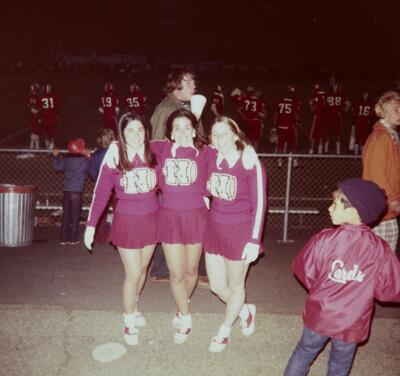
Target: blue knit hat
point(365, 196)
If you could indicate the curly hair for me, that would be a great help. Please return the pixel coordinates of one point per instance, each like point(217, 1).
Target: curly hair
point(175, 77)
point(385, 99)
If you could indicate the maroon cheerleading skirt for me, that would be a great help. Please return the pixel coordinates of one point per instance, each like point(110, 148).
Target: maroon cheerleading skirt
point(227, 240)
point(182, 226)
point(134, 231)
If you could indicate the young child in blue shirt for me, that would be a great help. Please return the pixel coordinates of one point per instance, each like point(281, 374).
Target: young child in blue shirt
point(75, 166)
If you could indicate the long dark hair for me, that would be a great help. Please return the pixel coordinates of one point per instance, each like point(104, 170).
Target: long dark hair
point(123, 162)
point(198, 140)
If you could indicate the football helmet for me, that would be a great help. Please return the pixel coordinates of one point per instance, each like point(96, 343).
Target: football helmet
point(273, 136)
point(47, 88)
point(366, 95)
point(134, 87)
point(337, 88)
point(291, 90)
point(250, 89)
point(34, 88)
point(317, 86)
point(108, 87)
point(78, 146)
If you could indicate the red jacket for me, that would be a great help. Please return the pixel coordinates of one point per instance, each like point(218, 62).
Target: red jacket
point(344, 269)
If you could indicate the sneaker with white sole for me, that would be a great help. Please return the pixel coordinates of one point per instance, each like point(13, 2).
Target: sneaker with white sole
point(177, 321)
point(249, 325)
point(140, 320)
point(131, 336)
point(218, 344)
point(181, 335)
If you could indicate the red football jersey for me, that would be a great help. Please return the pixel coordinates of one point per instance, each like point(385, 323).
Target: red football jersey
point(136, 102)
point(218, 102)
point(237, 99)
point(34, 102)
point(252, 107)
point(49, 106)
point(109, 102)
point(363, 110)
point(287, 111)
point(335, 103)
point(317, 103)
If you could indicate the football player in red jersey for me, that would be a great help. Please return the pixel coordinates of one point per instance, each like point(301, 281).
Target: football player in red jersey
point(286, 119)
point(363, 116)
point(252, 111)
point(108, 106)
point(34, 106)
point(336, 105)
point(237, 97)
point(317, 106)
point(135, 101)
point(217, 104)
point(50, 119)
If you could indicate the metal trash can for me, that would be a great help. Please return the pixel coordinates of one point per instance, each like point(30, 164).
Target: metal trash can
point(17, 214)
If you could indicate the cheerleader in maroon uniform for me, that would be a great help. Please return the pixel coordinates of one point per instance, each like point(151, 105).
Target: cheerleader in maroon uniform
point(234, 227)
point(129, 170)
point(183, 211)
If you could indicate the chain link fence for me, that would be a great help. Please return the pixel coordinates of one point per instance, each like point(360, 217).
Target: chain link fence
point(298, 197)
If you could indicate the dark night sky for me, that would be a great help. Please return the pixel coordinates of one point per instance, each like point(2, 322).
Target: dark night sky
point(333, 27)
point(225, 15)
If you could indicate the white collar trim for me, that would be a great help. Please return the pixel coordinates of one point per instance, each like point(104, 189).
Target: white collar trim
point(132, 153)
point(175, 147)
point(231, 159)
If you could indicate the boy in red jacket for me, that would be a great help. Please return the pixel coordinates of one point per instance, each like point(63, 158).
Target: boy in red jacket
point(344, 269)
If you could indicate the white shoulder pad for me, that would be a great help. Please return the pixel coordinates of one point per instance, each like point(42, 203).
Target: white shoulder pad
point(236, 91)
point(111, 158)
point(249, 157)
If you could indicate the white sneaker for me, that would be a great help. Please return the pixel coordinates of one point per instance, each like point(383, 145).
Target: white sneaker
point(181, 335)
point(248, 325)
point(177, 321)
point(140, 320)
point(131, 336)
point(218, 344)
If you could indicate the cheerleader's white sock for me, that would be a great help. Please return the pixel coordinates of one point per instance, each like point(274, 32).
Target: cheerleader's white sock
point(244, 312)
point(224, 331)
point(186, 321)
point(129, 320)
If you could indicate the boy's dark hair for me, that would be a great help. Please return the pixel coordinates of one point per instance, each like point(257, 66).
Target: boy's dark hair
point(175, 77)
point(100, 137)
point(344, 200)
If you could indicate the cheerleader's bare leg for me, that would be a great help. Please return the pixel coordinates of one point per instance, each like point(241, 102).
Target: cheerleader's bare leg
point(193, 256)
point(135, 262)
point(227, 281)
